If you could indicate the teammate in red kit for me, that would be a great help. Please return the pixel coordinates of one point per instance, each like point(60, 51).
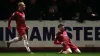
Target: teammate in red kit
point(19, 17)
point(63, 39)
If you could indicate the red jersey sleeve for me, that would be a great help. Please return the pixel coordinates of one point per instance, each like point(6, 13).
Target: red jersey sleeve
point(56, 40)
point(12, 17)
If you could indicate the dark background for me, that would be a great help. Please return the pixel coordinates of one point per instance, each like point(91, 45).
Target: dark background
point(53, 9)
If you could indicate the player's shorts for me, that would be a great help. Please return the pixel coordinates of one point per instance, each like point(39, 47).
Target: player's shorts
point(69, 44)
point(21, 31)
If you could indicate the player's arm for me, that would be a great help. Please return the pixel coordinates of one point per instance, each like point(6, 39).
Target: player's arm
point(27, 27)
point(9, 20)
point(56, 41)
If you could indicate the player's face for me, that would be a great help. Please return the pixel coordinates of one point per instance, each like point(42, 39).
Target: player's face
point(22, 7)
point(62, 28)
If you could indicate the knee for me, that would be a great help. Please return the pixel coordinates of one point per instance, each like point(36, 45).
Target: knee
point(19, 39)
point(69, 51)
point(77, 51)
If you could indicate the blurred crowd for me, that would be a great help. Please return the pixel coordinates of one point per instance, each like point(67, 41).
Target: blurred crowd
point(53, 9)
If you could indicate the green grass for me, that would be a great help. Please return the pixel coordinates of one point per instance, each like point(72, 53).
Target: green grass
point(48, 54)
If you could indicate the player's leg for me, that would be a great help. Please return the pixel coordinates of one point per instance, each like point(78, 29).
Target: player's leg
point(76, 49)
point(16, 39)
point(63, 50)
point(26, 44)
point(67, 47)
point(69, 51)
point(66, 50)
point(60, 51)
point(22, 34)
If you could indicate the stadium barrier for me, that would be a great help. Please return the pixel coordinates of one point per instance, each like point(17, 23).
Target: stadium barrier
point(41, 35)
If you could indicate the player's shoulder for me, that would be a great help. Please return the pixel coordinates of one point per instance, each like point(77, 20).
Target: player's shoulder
point(58, 33)
point(15, 13)
point(18, 12)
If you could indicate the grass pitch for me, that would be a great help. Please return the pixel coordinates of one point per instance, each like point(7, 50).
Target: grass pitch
point(47, 54)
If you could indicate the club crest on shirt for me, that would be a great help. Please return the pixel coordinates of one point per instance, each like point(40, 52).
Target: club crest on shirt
point(65, 35)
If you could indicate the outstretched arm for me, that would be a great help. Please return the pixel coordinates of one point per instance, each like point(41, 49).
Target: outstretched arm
point(9, 20)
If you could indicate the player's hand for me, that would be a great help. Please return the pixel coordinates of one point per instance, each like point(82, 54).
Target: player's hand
point(27, 27)
point(9, 27)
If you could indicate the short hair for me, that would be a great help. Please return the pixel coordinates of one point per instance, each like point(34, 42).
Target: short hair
point(21, 3)
point(60, 25)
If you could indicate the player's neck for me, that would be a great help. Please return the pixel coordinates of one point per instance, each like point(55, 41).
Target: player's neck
point(20, 10)
point(60, 31)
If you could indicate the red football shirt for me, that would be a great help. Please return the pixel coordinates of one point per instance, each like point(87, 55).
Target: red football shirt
point(19, 18)
point(61, 37)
